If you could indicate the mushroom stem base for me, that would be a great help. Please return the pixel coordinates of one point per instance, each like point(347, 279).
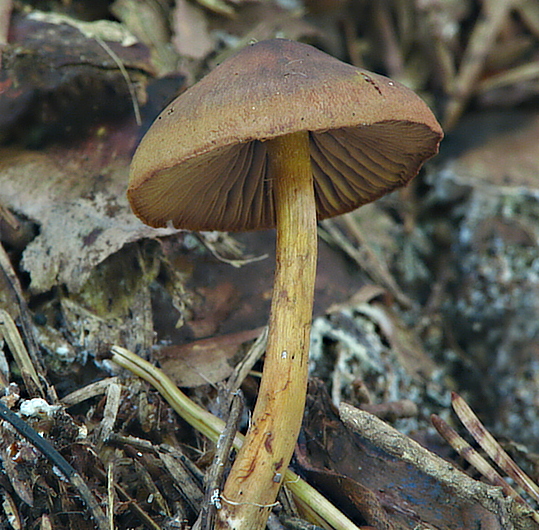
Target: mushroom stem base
point(256, 476)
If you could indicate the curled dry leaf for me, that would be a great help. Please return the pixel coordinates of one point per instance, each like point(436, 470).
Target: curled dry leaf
point(73, 188)
point(80, 206)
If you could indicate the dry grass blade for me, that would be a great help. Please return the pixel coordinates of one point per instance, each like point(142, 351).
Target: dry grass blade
point(492, 447)
point(309, 498)
point(466, 451)
point(363, 255)
point(9, 331)
point(125, 74)
point(31, 351)
point(199, 418)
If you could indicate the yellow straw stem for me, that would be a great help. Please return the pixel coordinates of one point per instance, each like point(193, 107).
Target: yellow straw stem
point(309, 500)
point(257, 473)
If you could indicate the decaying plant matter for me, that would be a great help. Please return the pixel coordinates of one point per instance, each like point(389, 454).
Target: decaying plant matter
point(434, 287)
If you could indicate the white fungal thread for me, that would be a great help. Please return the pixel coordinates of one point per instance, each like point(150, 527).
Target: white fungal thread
point(215, 499)
point(296, 479)
point(258, 505)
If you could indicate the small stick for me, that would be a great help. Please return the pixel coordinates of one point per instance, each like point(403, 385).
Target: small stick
point(110, 414)
point(391, 49)
point(25, 321)
point(243, 368)
point(212, 494)
point(513, 76)
point(131, 503)
point(9, 331)
point(110, 495)
point(88, 392)
point(49, 452)
point(484, 33)
point(364, 256)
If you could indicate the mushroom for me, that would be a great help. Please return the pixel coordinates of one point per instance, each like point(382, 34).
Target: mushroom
point(278, 135)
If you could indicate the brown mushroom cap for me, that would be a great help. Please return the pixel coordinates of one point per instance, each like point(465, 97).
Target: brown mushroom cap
point(203, 163)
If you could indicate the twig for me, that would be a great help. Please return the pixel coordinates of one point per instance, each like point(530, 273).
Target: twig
point(90, 391)
point(484, 33)
point(49, 452)
point(212, 494)
point(513, 76)
point(246, 364)
point(389, 440)
point(364, 257)
point(110, 495)
point(110, 414)
point(179, 468)
point(392, 51)
point(132, 504)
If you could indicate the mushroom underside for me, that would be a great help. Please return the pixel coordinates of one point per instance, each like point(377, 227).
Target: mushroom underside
point(351, 167)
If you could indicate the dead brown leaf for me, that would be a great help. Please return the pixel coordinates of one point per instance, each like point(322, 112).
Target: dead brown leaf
point(504, 157)
point(85, 70)
point(203, 361)
point(191, 34)
point(77, 197)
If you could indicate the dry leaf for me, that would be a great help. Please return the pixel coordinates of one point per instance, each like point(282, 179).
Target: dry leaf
point(191, 35)
point(77, 197)
point(203, 361)
point(500, 154)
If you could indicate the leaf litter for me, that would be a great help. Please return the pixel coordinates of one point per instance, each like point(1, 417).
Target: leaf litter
point(415, 297)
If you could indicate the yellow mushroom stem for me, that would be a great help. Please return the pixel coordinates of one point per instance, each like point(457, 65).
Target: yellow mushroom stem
point(254, 481)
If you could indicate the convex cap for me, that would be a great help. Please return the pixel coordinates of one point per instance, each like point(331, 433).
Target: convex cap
point(203, 164)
